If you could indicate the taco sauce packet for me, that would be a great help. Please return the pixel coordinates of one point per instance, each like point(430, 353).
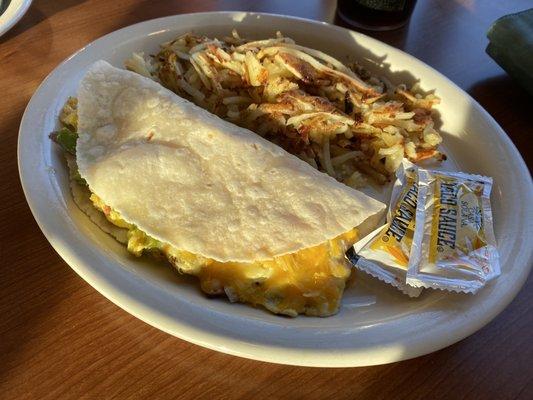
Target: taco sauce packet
point(453, 247)
point(384, 253)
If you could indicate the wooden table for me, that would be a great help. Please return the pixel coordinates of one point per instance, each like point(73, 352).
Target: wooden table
point(60, 339)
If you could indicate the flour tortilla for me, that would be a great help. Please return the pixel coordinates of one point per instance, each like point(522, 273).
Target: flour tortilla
point(201, 184)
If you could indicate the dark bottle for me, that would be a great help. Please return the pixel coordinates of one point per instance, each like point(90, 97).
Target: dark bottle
point(377, 15)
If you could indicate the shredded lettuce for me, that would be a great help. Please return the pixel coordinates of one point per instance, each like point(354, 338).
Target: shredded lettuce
point(66, 139)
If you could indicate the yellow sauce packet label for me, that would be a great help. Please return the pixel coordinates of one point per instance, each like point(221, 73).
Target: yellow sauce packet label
point(384, 253)
point(396, 237)
point(454, 247)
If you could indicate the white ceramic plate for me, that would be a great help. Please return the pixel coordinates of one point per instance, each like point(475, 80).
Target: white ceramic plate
point(13, 13)
point(377, 324)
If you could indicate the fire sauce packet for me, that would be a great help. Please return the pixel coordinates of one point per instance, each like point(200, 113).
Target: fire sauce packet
point(384, 253)
point(453, 247)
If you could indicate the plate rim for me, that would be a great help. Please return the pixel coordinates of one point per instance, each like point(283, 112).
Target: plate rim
point(295, 356)
point(20, 7)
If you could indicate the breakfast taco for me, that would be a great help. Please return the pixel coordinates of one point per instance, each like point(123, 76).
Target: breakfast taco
point(217, 201)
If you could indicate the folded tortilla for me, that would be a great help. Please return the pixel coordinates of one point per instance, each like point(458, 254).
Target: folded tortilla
point(202, 185)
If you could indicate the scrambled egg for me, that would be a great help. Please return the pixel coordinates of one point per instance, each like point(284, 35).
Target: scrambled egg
point(310, 281)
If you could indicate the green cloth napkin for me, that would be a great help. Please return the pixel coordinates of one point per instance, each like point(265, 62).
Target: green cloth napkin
point(511, 46)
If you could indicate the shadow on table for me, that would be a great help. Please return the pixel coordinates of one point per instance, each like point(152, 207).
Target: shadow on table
point(27, 294)
point(37, 13)
point(502, 96)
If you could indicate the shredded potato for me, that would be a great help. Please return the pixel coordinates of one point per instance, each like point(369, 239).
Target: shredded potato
point(336, 117)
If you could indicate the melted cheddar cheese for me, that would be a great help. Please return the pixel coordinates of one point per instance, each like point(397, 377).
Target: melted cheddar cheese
point(310, 281)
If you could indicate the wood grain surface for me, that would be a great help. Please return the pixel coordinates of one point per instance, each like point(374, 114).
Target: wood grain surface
point(60, 339)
